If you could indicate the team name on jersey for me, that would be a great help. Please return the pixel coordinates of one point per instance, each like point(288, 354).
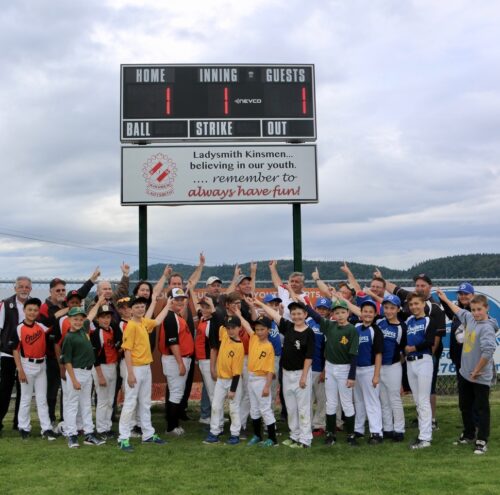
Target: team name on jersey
point(417, 328)
point(31, 339)
point(389, 334)
point(364, 338)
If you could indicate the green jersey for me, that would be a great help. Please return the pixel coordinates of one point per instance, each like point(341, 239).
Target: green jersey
point(341, 341)
point(77, 349)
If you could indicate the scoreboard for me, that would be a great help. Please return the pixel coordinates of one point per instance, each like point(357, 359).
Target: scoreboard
point(162, 103)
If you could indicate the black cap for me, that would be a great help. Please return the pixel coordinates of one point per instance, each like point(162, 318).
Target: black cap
point(138, 300)
point(424, 277)
point(33, 300)
point(105, 309)
point(264, 321)
point(298, 304)
point(73, 293)
point(56, 281)
point(232, 321)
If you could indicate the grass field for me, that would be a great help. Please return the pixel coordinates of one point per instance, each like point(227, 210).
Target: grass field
point(186, 466)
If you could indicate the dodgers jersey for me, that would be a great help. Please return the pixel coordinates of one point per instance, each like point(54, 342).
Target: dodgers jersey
point(394, 340)
point(371, 342)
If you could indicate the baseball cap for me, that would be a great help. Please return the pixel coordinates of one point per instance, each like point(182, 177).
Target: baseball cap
point(424, 277)
point(137, 300)
point(392, 299)
point(76, 311)
point(323, 302)
point(56, 281)
point(264, 321)
point(241, 278)
point(370, 302)
point(105, 309)
point(232, 321)
point(178, 292)
point(212, 279)
point(270, 298)
point(123, 301)
point(466, 288)
point(340, 304)
point(73, 293)
point(34, 301)
point(295, 305)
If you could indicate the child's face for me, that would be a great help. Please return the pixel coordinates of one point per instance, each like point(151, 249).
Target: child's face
point(341, 315)
point(74, 302)
point(138, 310)
point(368, 314)
point(275, 305)
point(390, 311)
point(125, 312)
point(76, 321)
point(178, 304)
point(479, 311)
point(31, 312)
point(323, 312)
point(298, 316)
point(104, 320)
point(233, 331)
point(261, 331)
point(206, 311)
point(416, 307)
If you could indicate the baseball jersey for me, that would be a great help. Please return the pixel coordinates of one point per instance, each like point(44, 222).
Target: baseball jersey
point(206, 337)
point(175, 331)
point(29, 340)
point(371, 343)
point(341, 341)
point(297, 346)
point(77, 350)
point(318, 363)
point(420, 333)
point(136, 340)
point(103, 340)
point(260, 356)
point(230, 357)
point(394, 340)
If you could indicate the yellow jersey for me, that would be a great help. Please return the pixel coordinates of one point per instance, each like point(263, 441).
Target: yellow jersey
point(230, 357)
point(136, 340)
point(260, 356)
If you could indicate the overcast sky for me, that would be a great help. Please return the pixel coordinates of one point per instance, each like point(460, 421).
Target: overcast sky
point(408, 106)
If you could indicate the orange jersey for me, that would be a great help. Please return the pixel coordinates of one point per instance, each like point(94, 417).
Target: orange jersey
point(175, 331)
point(260, 356)
point(30, 340)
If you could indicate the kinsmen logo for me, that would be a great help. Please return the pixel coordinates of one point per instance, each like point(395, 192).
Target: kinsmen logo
point(344, 340)
point(159, 172)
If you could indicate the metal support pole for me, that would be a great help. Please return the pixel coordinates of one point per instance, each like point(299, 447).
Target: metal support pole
point(297, 238)
point(143, 242)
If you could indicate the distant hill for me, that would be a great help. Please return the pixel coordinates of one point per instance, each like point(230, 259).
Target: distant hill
point(466, 267)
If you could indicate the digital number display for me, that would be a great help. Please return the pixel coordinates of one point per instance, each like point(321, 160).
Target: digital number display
point(209, 102)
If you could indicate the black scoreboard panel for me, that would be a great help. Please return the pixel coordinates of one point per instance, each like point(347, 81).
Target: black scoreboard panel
point(217, 102)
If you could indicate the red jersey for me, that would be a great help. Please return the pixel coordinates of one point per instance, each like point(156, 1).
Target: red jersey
point(30, 341)
point(175, 331)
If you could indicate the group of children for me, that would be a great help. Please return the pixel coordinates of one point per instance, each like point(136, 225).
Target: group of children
point(351, 370)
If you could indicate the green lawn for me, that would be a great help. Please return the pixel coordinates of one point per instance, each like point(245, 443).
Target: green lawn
point(186, 466)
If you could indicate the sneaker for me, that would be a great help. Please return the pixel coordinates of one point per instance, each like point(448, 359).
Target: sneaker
point(420, 444)
point(204, 421)
point(318, 432)
point(155, 439)
point(398, 436)
point(463, 440)
point(49, 435)
point(330, 439)
point(268, 443)
point(176, 432)
point(375, 439)
point(288, 442)
point(243, 434)
point(136, 432)
point(351, 440)
point(298, 445)
point(233, 440)
point(359, 435)
point(73, 442)
point(91, 439)
point(480, 447)
point(388, 435)
point(110, 434)
point(125, 446)
point(435, 425)
point(254, 441)
point(211, 439)
point(25, 434)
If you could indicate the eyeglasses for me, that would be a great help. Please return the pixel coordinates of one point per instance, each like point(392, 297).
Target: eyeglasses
point(60, 290)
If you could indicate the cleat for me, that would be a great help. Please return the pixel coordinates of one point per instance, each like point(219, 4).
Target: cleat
point(480, 447)
point(91, 439)
point(25, 434)
point(288, 442)
point(73, 442)
point(243, 434)
point(49, 435)
point(351, 440)
point(435, 425)
point(136, 432)
point(420, 444)
point(204, 421)
point(155, 439)
point(318, 432)
point(330, 439)
point(254, 441)
point(125, 446)
point(463, 440)
point(268, 443)
point(211, 439)
point(298, 445)
point(398, 437)
point(233, 440)
point(359, 435)
point(176, 432)
point(388, 435)
point(375, 439)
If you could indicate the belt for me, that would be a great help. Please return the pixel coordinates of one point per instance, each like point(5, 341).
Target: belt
point(414, 358)
point(37, 361)
point(85, 368)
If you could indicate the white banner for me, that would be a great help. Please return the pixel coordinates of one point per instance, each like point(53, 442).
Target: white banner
point(175, 175)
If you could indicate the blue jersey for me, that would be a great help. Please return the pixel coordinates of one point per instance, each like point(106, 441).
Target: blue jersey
point(420, 333)
point(394, 340)
point(275, 339)
point(371, 342)
point(318, 362)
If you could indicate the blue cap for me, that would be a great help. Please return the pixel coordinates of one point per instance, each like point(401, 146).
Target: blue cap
point(392, 299)
point(369, 301)
point(270, 298)
point(466, 288)
point(323, 302)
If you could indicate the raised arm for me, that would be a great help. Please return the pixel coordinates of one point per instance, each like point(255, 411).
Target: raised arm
point(352, 307)
point(93, 311)
point(232, 285)
point(322, 286)
point(244, 323)
point(390, 287)
point(253, 274)
point(350, 277)
point(453, 307)
point(276, 279)
point(269, 311)
point(196, 275)
point(163, 313)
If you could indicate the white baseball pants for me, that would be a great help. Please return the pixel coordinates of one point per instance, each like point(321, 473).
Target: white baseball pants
point(420, 380)
point(260, 407)
point(222, 388)
point(64, 390)
point(105, 397)
point(136, 419)
point(175, 382)
point(36, 377)
point(336, 386)
point(275, 382)
point(138, 396)
point(298, 405)
point(367, 402)
point(318, 396)
point(245, 399)
point(78, 401)
point(208, 381)
point(393, 416)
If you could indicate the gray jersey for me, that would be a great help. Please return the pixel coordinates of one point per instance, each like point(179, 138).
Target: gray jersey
point(479, 341)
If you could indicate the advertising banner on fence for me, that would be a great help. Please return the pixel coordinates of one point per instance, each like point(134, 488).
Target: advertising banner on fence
point(179, 175)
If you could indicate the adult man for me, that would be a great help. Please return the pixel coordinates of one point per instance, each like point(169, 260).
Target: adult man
point(423, 287)
point(55, 302)
point(11, 314)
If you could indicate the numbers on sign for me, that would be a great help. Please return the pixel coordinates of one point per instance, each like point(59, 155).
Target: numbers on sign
point(226, 101)
point(168, 100)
